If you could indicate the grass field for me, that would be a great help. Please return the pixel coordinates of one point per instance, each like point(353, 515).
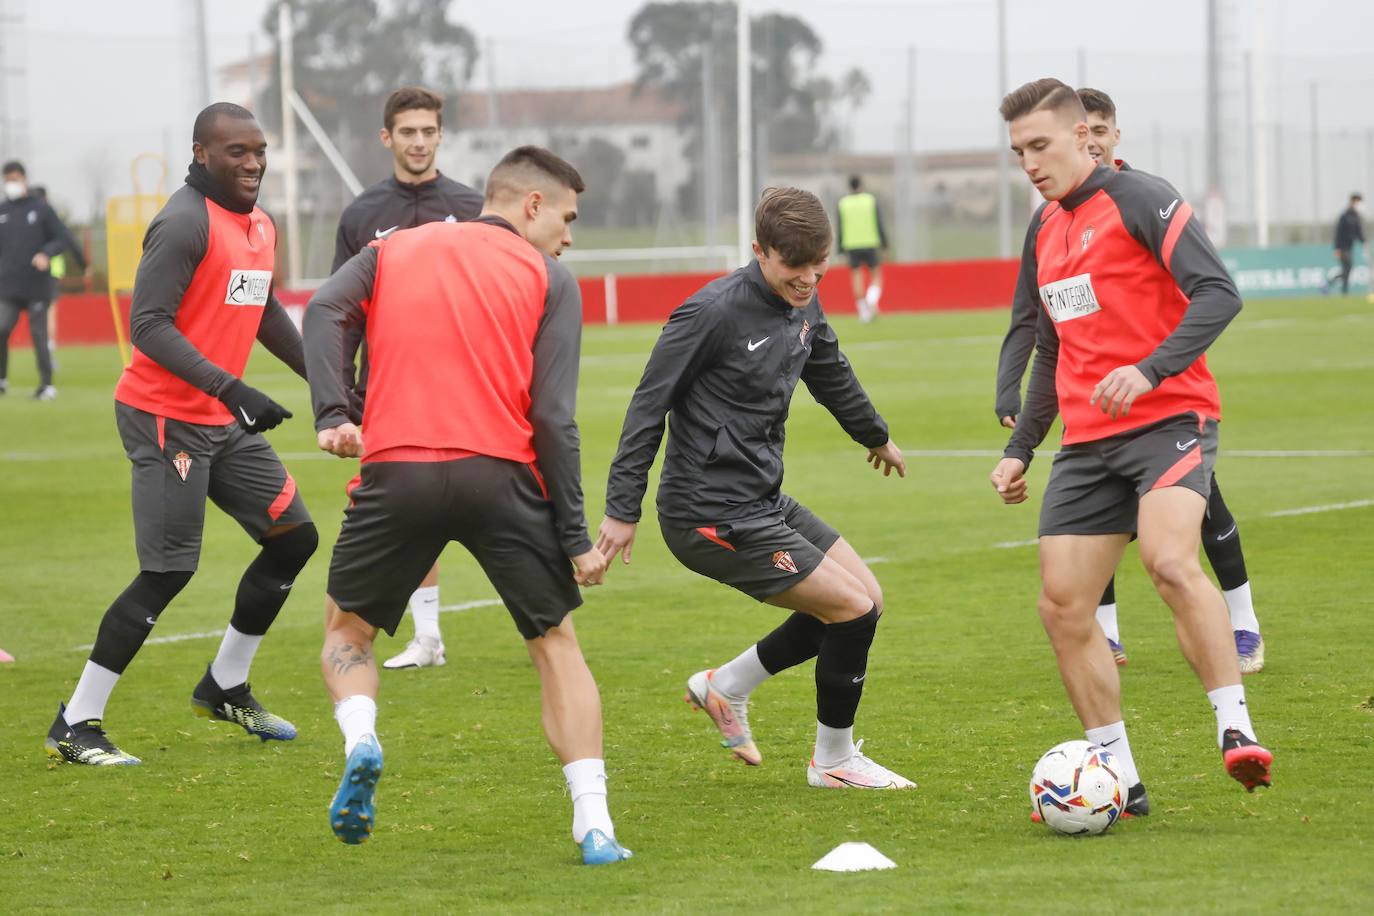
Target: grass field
point(963, 694)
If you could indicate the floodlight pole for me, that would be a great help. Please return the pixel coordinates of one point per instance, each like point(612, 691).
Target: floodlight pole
point(745, 131)
point(285, 40)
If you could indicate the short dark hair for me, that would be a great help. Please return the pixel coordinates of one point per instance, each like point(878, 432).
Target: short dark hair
point(200, 132)
point(525, 167)
point(14, 165)
point(855, 182)
point(1095, 101)
point(1356, 196)
point(1039, 95)
point(411, 98)
point(793, 223)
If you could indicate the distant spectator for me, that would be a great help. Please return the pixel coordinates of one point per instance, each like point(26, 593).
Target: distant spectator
point(860, 231)
point(1349, 230)
point(31, 235)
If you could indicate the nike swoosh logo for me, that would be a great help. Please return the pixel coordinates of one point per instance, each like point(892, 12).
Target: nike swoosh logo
point(860, 678)
point(1110, 743)
point(247, 419)
point(383, 233)
point(286, 586)
point(1184, 446)
point(1222, 537)
point(152, 621)
point(1165, 212)
point(754, 346)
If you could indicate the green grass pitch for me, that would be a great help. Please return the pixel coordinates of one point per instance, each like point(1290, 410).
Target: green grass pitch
point(963, 694)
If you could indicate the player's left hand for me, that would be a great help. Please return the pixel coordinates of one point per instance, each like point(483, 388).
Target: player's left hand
point(589, 568)
point(41, 261)
point(344, 440)
point(1118, 390)
point(889, 458)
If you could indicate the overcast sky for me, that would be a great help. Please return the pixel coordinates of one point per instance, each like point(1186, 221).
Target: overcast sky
point(105, 81)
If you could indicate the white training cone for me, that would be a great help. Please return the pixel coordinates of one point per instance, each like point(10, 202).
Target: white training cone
point(854, 857)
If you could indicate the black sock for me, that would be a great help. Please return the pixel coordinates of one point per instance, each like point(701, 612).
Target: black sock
point(1221, 542)
point(1109, 596)
point(797, 639)
point(841, 667)
point(131, 617)
point(266, 583)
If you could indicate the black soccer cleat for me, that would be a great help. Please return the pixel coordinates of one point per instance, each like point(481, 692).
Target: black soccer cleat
point(1137, 802)
point(84, 743)
point(1246, 762)
point(238, 705)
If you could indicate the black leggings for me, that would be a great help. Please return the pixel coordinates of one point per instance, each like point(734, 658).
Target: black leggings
point(37, 310)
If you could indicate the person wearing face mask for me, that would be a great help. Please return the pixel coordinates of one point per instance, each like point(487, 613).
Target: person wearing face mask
point(1349, 230)
point(725, 367)
point(31, 235)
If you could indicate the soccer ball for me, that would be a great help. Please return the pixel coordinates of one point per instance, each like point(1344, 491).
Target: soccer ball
point(1076, 788)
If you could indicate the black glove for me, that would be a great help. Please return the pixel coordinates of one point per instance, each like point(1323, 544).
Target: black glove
point(253, 410)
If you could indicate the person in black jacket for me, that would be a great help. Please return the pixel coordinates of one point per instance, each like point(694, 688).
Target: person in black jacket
point(725, 367)
point(1349, 230)
point(31, 235)
point(415, 194)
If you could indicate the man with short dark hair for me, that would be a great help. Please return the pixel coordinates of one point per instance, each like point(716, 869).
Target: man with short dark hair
point(415, 194)
point(1132, 293)
point(1220, 532)
point(31, 235)
point(1349, 230)
point(725, 367)
point(191, 428)
point(861, 236)
point(474, 331)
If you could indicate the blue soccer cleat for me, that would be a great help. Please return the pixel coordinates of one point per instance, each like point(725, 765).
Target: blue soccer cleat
point(351, 813)
point(599, 849)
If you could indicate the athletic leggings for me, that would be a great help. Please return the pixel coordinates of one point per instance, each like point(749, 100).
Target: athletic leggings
point(37, 309)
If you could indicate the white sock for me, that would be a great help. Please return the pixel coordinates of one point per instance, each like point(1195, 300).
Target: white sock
point(235, 657)
point(1242, 608)
point(1106, 619)
point(587, 786)
point(1229, 705)
point(833, 745)
point(1113, 738)
point(357, 718)
point(424, 610)
point(91, 694)
point(875, 292)
point(738, 677)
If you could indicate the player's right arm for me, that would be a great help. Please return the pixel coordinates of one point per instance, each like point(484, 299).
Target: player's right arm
point(1020, 339)
point(686, 344)
point(336, 309)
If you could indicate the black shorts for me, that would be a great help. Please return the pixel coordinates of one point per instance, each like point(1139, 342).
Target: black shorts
point(177, 465)
point(761, 556)
point(863, 257)
point(1095, 487)
point(404, 513)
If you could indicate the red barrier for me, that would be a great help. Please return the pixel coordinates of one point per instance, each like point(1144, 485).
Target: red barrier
point(937, 286)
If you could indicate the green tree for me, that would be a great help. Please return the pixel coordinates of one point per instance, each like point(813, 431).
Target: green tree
point(351, 54)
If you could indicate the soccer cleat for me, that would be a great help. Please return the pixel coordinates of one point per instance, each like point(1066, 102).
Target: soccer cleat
point(84, 742)
point(599, 849)
point(420, 652)
point(1118, 653)
point(858, 772)
point(4, 386)
point(730, 715)
point(351, 813)
point(5, 657)
point(45, 393)
point(1249, 651)
point(238, 705)
point(1137, 802)
point(1246, 762)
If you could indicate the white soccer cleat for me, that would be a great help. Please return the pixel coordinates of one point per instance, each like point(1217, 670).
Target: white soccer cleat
point(730, 715)
point(858, 772)
point(420, 652)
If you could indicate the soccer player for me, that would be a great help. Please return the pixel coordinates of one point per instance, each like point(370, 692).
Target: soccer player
point(860, 229)
point(473, 331)
point(1349, 230)
point(1220, 535)
point(726, 366)
point(1133, 293)
point(191, 427)
point(416, 193)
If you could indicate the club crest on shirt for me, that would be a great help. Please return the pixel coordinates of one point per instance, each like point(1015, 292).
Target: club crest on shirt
point(783, 560)
point(182, 462)
point(1087, 236)
point(806, 329)
point(248, 287)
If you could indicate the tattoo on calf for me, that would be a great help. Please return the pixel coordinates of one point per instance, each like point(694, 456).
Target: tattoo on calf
point(348, 656)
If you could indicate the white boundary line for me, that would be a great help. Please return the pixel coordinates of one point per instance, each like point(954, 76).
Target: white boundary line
point(1235, 453)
